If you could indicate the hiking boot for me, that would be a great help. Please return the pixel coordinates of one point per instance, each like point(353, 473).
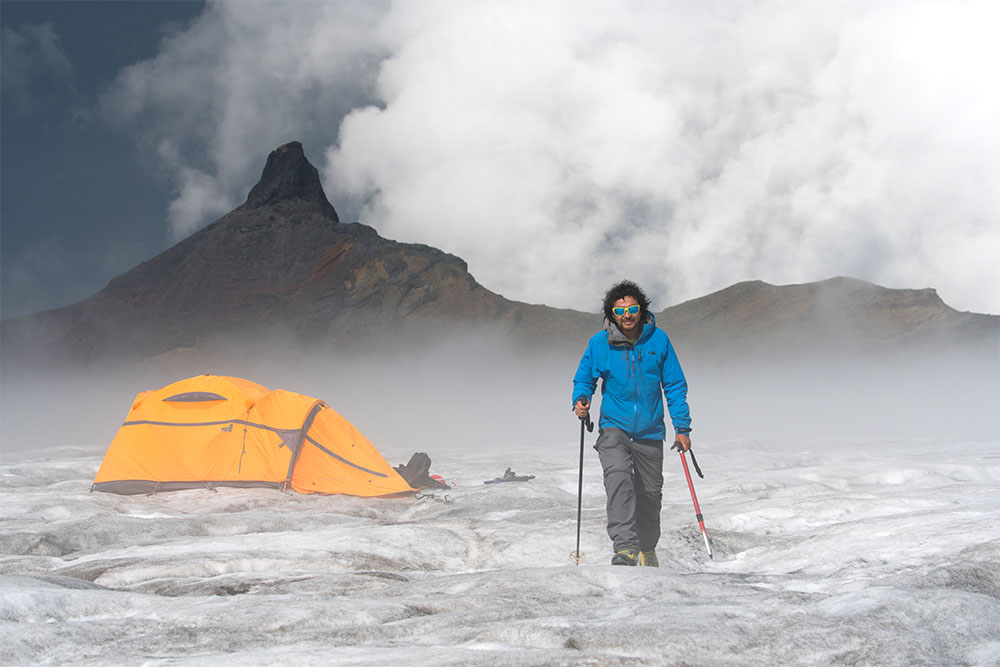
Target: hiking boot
point(648, 558)
point(625, 557)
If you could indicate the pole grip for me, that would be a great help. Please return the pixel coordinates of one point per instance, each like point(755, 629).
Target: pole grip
point(687, 473)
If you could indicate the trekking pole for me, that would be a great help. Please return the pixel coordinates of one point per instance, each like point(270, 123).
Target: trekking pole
point(576, 556)
point(694, 498)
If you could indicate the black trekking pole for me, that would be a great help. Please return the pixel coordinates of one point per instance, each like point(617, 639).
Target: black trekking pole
point(576, 556)
point(694, 498)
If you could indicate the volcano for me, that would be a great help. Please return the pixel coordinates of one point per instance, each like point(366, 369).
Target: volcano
point(283, 267)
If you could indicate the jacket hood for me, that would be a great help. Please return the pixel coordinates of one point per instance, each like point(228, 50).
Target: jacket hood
point(616, 337)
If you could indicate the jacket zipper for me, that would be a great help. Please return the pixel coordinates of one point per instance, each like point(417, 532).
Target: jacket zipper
point(634, 366)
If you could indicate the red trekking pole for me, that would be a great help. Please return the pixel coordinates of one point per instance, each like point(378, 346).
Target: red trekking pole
point(694, 498)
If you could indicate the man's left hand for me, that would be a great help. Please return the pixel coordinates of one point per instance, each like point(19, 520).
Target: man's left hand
point(684, 440)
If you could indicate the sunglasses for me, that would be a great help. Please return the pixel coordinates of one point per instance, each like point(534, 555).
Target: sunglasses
point(631, 310)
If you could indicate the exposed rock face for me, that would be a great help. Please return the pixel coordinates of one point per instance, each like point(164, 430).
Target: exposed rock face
point(839, 313)
point(288, 176)
point(280, 264)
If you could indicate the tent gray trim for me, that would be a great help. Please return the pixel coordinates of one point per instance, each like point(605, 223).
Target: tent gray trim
point(132, 487)
point(306, 425)
point(148, 422)
point(343, 460)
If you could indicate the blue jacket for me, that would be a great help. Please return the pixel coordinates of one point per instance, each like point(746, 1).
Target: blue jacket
point(633, 376)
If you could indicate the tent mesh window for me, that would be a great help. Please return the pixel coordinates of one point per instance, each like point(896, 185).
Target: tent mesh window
point(195, 397)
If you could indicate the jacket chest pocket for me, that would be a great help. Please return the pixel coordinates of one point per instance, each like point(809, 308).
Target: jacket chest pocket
point(649, 364)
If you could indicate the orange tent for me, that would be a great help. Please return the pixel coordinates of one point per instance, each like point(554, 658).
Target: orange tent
point(214, 430)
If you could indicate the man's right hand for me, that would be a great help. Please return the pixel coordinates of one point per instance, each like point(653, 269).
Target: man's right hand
point(582, 408)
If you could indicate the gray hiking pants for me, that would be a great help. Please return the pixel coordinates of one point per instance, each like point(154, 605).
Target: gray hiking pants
point(633, 481)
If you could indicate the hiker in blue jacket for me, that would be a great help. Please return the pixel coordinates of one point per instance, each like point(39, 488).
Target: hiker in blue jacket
point(635, 361)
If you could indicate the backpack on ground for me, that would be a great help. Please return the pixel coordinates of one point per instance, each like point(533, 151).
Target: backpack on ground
point(417, 473)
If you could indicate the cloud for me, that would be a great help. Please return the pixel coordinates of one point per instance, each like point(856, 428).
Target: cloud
point(559, 146)
point(243, 79)
point(34, 66)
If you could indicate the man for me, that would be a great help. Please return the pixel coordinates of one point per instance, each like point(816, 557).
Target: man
point(635, 361)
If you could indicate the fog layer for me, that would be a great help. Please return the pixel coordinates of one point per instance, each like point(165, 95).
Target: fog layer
point(476, 391)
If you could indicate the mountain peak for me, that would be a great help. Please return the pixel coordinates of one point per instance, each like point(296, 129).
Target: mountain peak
point(289, 175)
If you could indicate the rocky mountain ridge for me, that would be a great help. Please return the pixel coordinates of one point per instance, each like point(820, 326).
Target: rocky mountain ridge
point(280, 265)
point(283, 267)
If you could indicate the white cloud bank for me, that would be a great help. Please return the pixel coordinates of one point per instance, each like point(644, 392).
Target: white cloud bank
point(559, 146)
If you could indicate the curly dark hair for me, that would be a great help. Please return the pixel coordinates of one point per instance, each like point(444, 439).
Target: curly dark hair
point(620, 291)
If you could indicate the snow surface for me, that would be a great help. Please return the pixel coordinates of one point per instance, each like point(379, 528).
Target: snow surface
point(878, 552)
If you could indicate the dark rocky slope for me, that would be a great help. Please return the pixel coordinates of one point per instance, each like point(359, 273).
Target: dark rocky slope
point(281, 269)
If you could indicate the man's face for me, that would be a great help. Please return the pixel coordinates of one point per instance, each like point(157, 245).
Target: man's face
point(628, 322)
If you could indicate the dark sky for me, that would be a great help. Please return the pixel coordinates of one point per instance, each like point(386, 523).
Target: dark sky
point(80, 201)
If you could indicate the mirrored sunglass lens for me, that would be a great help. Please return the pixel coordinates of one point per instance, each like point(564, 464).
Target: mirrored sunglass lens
point(631, 310)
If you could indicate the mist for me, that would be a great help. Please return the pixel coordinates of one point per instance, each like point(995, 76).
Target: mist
point(478, 391)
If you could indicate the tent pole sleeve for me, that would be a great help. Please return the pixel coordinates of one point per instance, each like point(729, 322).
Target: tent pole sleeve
point(302, 439)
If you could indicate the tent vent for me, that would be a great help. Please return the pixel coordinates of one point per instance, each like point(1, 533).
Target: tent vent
point(195, 397)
